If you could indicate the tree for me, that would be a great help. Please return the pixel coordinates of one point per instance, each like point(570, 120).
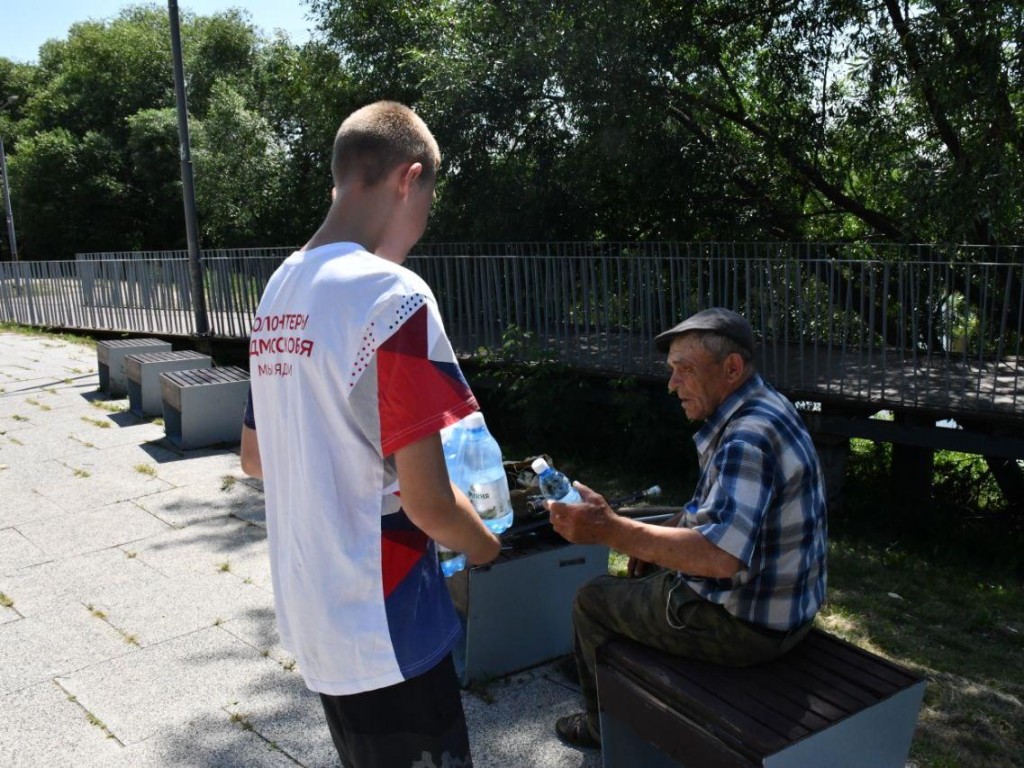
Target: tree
point(303, 92)
point(239, 169)
point(97, 131)
point(728, 119)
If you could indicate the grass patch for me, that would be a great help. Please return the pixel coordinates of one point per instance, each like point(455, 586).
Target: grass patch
point(52, 335)
point(242, 721)
point(79, 472)
point(86, 443)
point(5, 601)
point(96, 422)
point(227, 482)
point(962, 630)
point(37, 404)
point(146, 469)
point(93, 720)
point(224, 567)
point(14, 440)
point(110, 406)
point(19, 417)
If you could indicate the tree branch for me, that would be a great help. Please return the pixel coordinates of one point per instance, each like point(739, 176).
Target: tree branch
point(878, 221)
point(946, 131)
point(781, 221)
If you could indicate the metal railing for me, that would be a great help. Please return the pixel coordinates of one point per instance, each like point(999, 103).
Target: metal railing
point(934, 327)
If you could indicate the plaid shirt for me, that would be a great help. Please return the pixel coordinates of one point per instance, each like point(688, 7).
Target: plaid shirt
point(761, 498)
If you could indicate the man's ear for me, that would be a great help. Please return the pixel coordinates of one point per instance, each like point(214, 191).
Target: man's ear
point(734, 366)
point(408, 176)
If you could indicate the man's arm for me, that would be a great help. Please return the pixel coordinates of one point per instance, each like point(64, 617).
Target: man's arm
point(678, 549)
point(637, 567)
point(437, 507)
point(252, 465)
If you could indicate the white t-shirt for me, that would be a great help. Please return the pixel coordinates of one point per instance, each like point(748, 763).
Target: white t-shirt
point(349, 362)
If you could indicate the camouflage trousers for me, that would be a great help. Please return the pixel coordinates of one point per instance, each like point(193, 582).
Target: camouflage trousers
point(660, 612)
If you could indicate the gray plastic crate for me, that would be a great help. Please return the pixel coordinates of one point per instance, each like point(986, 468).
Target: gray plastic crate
point(110, 357)
point(143, 373)
point(204, 407)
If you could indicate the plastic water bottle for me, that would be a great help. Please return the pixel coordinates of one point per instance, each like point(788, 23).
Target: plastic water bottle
point(554, 485)
point(451, 561)
point(451, 443)
point(484, 476)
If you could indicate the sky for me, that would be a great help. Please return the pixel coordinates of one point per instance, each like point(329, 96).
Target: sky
point(27, 24)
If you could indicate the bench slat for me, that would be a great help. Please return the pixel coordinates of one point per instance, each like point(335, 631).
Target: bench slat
point(201, 376)
point(793, 696)
point(857, 667)
point(830, 687)
point(761, 702)
point(682, 692)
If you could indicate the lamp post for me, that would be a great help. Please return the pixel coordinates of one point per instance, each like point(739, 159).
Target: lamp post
point(12, 239)
point(187, 184)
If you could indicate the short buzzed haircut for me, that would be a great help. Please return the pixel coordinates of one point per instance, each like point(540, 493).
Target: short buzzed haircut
point(379, 137)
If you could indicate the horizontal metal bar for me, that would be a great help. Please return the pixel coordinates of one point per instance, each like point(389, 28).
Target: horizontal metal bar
point(937, 438)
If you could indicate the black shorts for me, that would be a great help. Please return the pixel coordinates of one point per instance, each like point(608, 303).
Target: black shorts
point(419, 721)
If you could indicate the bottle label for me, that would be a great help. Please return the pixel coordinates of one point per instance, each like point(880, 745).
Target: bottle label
point(556, 487)
point(490, 500)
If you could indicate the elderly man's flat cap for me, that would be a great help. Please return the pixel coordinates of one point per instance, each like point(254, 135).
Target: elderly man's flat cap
point(717, 320)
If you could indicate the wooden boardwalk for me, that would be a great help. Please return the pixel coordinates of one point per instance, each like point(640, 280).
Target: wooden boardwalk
point(852, 380)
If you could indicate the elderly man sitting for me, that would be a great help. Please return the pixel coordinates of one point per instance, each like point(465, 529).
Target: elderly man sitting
point(738, 575)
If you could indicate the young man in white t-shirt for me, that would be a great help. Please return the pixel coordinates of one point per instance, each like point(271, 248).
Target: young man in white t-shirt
point(353, 378)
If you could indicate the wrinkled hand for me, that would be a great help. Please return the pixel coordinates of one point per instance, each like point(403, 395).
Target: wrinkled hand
point(583, 523)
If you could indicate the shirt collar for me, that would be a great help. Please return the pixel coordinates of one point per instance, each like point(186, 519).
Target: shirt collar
point(715, 423)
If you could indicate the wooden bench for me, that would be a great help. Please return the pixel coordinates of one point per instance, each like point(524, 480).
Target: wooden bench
point(826, 703)
point(204, 407)
point(143, 374)
point(110, 357)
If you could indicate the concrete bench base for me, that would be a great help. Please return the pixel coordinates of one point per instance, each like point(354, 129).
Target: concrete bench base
point(517, 610)
point(143, 374)
point(204, 407)
point(826, 703)
point(110, 357)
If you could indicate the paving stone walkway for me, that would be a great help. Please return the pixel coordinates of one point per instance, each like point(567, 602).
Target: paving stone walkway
point(136, 616)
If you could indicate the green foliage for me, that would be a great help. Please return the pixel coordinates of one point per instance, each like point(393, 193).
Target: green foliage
point(155, 173)
point(535, 405)
point(597, 119)
point(965, 522)
point(238, 169)
point(96, 165)
point(713, 119)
